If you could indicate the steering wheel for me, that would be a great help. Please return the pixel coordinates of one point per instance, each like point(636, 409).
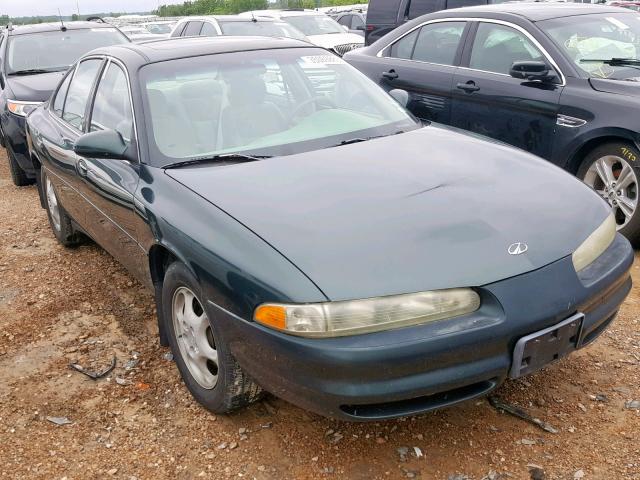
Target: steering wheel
point(317, 100)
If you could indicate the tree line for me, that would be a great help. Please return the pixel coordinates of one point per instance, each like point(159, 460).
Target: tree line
point(225, 7)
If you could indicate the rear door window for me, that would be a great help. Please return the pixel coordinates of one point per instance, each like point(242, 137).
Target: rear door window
point(79, 91)
point(192, 30)
point(438, 42)
point(356, 21)
point(345, 20)
point(208, 30)
point(61, 95)
point(383, 11)
point(403, 48)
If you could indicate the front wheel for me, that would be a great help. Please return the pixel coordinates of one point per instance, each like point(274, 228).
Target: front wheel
point(59, 220)
point(612, 170)
point(206, 365)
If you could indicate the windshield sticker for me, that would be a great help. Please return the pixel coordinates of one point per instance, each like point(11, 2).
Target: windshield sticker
point(321, 60)
point(617, 23)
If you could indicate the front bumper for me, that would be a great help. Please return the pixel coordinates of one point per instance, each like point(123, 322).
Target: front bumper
point(15, 141)
point(415, 369)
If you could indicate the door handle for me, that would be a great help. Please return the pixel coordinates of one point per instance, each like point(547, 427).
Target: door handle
point(82, 168)
point(468, 87)
point(390, 75)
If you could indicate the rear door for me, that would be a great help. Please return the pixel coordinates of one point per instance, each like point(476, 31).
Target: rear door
point(487, 100)
point(109, 185)
point(423, 62)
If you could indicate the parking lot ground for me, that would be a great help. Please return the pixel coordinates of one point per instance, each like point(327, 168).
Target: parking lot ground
point(60, 306)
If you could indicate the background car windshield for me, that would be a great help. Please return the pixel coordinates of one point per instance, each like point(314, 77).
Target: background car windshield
point(57, 50)
point(264, 29)
point(274, 102)
point(159, 28)
point(598, 37)
point(315, 24)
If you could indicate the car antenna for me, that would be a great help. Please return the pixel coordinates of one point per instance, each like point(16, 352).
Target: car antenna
point(62, 26)
point(253, 18)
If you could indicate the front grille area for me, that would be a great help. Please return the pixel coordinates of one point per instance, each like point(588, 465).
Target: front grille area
point(346, 47)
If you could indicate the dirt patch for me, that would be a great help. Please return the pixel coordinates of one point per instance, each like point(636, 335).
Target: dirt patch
point(60, 306)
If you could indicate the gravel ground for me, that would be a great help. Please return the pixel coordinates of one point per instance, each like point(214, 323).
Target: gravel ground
point(60, 306)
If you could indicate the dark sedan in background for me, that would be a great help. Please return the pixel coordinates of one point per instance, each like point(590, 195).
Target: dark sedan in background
point(558, 80)
point(318, 242)
point(33, 59)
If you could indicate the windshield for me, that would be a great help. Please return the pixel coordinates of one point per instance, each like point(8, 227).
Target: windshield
point(263, 29)
point(601, 36)
point(56, 50)
point(159, 28)
point(268, 102)
point(314, 24)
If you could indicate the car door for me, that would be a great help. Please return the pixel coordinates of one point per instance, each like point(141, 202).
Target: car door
point(422, 62)
point(107, 184)
point(487, 100)
point(68, 111)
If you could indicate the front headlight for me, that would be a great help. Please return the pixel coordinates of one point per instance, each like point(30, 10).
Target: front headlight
point(22, 108)
point(335, 319)
point(595, 244)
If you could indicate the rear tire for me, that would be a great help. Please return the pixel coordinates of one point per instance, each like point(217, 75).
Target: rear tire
point(18, 175)
point(59, 220)
point(612, 170)
point(210, 372)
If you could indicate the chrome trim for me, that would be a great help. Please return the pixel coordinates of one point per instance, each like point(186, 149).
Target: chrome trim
point(571, 122)
point(480, 20)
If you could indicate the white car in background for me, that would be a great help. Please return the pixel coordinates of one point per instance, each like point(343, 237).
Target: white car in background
point(320, 29)
point(138, 33)
point(162, 27)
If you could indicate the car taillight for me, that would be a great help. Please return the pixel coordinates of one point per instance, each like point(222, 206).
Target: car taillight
point(369, 28)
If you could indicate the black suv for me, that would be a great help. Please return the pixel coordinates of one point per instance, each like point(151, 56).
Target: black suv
point(33, 59)
point(385, 15)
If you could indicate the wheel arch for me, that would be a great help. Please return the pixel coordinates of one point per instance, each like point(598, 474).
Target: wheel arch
point(37, 165)
point(594, 141)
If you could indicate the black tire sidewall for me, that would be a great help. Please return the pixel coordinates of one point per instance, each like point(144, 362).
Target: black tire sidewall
point(632, 229)
point(215, 399)
point(66, 230)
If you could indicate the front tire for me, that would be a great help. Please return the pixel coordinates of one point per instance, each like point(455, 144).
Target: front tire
point(206, 365)
point(612, 170)
point(59, 220)
point(18, 175)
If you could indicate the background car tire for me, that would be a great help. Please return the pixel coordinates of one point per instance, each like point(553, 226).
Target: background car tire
point(63, 227)
point(233, 388)
point(18, 176)
point(622, 161)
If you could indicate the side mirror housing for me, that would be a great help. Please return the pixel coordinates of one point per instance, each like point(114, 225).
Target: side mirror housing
point(400, 96)
point(107, 144)
point(532, 70)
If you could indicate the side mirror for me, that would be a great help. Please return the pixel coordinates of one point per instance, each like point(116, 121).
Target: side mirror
point(531, 70)
point(107, 144)
point(400, 96)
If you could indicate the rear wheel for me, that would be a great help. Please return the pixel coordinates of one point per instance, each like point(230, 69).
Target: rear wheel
point(206, 365)
point(58, 218)
point(612, 170)
point(18, 175)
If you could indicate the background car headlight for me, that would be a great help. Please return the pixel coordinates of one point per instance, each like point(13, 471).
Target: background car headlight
point(22, 108)
point(334, 319)
point(595, 244)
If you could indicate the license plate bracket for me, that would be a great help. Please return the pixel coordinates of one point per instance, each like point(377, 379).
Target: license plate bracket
point(534, 351)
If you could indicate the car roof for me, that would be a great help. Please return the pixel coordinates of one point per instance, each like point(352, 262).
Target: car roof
point(228, 18)
point(53, 26)
point(291, 12)
point(183, 47)
point(537, 11)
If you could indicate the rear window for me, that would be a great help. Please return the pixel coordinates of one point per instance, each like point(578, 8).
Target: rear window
point(383, 11)
point(57, 50)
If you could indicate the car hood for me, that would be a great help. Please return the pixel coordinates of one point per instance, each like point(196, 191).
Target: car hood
point(424, 210)
point(34, 88)
point(333, 39)
point(620, 87)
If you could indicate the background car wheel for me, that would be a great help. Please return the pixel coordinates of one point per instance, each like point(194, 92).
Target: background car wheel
point(207, 367)
point(58, 218)
point(18, 176)
point(613, 170)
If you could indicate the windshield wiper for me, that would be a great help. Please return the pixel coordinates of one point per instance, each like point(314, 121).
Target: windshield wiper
point(614, 62)
point(226, 157)
point(36, 71)
point(364, 139)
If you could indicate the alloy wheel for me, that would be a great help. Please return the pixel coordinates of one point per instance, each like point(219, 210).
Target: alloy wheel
point(195, 338)
point(52, 204)
point(614, 180)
